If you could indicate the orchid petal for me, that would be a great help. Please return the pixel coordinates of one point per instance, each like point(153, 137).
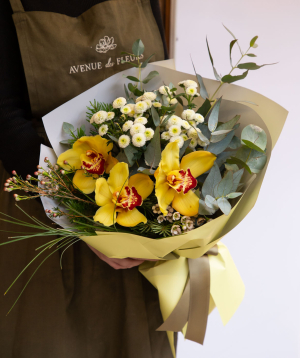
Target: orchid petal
point(84, 183)
point(142, 183)
point(198, 162)
point(106, 215)
point(103, 195)
point(131, 218)
point(186, 204)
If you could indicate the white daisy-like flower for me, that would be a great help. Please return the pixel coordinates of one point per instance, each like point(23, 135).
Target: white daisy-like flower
point(142, 120)
point(190, 224)
point(127, 125)
point(184, 136)
point(173, 101)
point(185, 124)
point(149, 103)
point(149, 95)
point(174, 130)
point(181, 83)
point(164, 90)
point(178, 139)
point(170, 209)
point(175, 120)
point(137, 128)
point(193, 143)
point(128, 109)
point(124, 141)
point(192, 123)
point(119, 102)
point(184, 219)
point(138, 140)
point(197, 94)
point(192, 132)
point(103, 129)
point(160, 219)
point(110, 115)
point(190, 83)
point(149, 133)
point(176, 216)
point(140, 107)
point(199, 118)
point(175, 230)
point(139, 99)
point(191, 91)
point(165, 135)
point(99, 117)
point(156, 209)
point(156, 104)
point(188, 114)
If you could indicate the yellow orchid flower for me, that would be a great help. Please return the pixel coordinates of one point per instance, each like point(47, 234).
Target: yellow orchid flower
point(89, 154)
point(175, 180)
point(119, 197)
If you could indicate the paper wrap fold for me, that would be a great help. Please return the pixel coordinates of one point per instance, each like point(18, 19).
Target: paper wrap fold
point(170, 274)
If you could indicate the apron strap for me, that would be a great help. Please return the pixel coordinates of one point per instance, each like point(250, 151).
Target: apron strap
point(17, 6)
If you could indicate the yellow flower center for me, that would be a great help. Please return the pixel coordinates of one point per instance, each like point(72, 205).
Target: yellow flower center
point(181, 180)
point(127, 199)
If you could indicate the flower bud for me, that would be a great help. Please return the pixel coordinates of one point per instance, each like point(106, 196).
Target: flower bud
point(6, 184)
point(38, 166)
point(28, 177)
point(46, 159)
point(65, 162)
point(36, 173)
point(54, 215)
point(15, 195)
point(14, 172)
point(62, 172)
point(42, 182)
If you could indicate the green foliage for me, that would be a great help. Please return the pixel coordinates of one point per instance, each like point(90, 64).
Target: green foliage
point(75, 134)
point(96, 107)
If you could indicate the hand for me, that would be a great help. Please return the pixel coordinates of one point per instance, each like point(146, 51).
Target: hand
point(118, 264)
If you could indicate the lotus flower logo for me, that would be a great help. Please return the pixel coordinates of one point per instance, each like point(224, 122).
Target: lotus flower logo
point(106, 44)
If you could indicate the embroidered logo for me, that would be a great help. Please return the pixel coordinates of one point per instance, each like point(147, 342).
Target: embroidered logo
point(106, 44)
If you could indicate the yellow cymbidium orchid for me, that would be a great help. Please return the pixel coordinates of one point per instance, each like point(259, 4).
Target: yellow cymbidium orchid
point(119, 196)
point(175, 180)
point(90, 155)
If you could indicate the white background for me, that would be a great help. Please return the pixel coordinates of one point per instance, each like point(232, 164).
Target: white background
point(267, 324)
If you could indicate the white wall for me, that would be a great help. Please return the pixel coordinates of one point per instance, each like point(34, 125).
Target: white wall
point(267, 324)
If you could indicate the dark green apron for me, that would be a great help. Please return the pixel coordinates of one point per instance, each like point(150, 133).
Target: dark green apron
point(87, 309)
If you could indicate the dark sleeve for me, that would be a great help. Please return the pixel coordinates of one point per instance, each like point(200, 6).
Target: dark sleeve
point(19, 142)
point(157, 14)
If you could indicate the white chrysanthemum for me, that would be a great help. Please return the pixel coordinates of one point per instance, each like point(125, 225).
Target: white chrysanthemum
point(128, 109)
point(184, 136)
point(138, 140)
point(124, 141)
point(149, 103)
point(173, 101)
point(137, 128)
point(174, 120)
point(197, 94)
point(193, 143)
point(185, 124)
point(165, 135)
point(99, 117)
point(149, 133)
point(164, 90)
point(190, 83)
point(149, 95)
point(156, 104)
point(178, 139)
point(119, 102)
point(141, 107)
point(103, 129)
point(181, 83)
point(199, 118)
point(174, 130)
point(127, 125)
point(139, 99)
point(192, 123)
point(191, 91)
point(188, 114)
point(192, 132)
point(110, 115)
point(142, 120)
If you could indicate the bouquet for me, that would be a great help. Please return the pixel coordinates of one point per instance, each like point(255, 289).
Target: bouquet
point(158, 169)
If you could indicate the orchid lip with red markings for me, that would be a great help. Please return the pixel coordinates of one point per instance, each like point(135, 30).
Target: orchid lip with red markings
point(181, 180)
point(96, 164)
point(128, 199)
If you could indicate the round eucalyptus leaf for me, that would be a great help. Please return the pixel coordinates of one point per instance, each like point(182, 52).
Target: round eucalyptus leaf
point(254, 136)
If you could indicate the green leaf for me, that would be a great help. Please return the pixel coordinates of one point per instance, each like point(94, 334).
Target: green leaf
point(151, 75)
point(217, 76)
point(222, 157)
point(219, 147)
point(125, 53)
point(155, 116)
point(239, 162)
point(232, 167)
point(237, 176)
point(224, 205)
point(211, 181)
point(153, 151)
point(219, 135)
point(145, 63)
point(251, 55)
point(219, 132)
point(254, 137)
point(211, 202)
point(122, 157)
point(230, 49)
point(230, 124)
point(225, 185)
point(132, 78)
point(252, 42)
point(202, 137)
point(138, 47)
point(169, 109)
point(114, 139)
point(213, 116)
point(126, 91)
point(251, 159)
point(204, 209)
point(252, 66)
point(231, 79)
point(130, 151)
point(233, 195)
point(184, 147)
point(203, 91)
point(204, 129)
point(146, 171)
point(66, 141)
point(68, 127)
point(204, 109)
point(233, 37)
point(235, 143)
point(164, 122)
